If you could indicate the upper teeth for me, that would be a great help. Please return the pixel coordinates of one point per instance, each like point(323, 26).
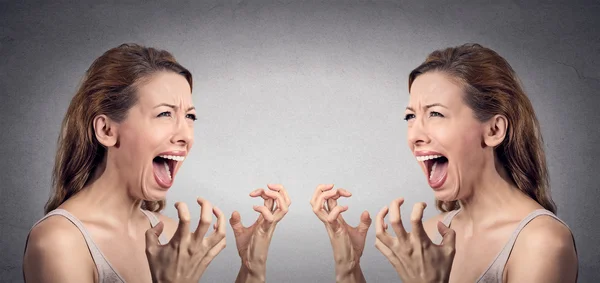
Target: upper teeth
point(173, 157)
point(427, 157)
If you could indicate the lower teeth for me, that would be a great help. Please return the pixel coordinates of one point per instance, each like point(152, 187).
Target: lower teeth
point(168, 171)
point(432, 170)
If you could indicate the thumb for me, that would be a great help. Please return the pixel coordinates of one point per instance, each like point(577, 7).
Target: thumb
point(152, 235)
point(448, 235)
point(236, 222)
point(365, 222)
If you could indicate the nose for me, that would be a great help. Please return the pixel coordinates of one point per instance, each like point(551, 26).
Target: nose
point(417, 133)
point(183, 133)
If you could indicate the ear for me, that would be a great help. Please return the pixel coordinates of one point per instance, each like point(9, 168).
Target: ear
point(495, 130)
point(105, 130)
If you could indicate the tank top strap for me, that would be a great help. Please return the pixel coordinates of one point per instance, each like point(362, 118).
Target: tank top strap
point(106, 272)
point(495, 271)
point(446, 220)
point(153, 222)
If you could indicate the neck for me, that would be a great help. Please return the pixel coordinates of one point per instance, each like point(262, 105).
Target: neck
point(493, 193)
point(107, 196)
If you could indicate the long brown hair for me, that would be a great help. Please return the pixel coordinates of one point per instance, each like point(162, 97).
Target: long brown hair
point(109, 88)
point(493, 88)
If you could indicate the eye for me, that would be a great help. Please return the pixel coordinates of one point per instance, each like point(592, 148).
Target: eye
point(192, 116)
point(435, 114)
point(409, 116)
point(164, 114)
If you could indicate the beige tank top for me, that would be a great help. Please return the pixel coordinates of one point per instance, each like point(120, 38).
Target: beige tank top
point(106, 272)
point(495, 271)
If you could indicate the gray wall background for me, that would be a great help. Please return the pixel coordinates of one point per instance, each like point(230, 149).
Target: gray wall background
point(301, 93)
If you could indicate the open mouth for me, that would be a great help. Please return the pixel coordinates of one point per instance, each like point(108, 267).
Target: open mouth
point(437, 167)
point(164, 167)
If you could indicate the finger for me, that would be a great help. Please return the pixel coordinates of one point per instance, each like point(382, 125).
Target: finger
point(259, 192)
point(281, 189)
point(380, 232)
point(152, 235)
point(325, 196)
point(269, 203)
point(416, 218)
point(332, 218)
point(219, 233)
point(341, 193)
point(387, 252)
point(236, 223)
point(448, 236)
point(319, 190)
point(396, 219)
point(183, 229)
point(365, 222)
point(213, 252)
point(282, 207)
point(265, 212)
point(205, 218)
point(331, 203)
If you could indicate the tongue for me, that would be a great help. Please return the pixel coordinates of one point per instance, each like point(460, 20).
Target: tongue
point(160, 170)
point(439, 170)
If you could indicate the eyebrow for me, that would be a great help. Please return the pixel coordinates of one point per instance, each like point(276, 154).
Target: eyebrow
point(173, 106)
point(427, 106)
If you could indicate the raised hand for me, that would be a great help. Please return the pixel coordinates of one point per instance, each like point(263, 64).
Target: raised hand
point(187, 255)
point(414, 256)
point(347, 242)
point(253, 242)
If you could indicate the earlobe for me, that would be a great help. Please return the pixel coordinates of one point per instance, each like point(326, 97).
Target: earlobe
point(105, 130)
point(496, 130)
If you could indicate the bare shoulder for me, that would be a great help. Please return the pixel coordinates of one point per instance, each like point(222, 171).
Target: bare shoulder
point(430, 225)
point(543, 252)
point(52, 239)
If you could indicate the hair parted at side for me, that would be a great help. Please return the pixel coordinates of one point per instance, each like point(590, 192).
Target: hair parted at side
point(493, 88)
point(108, 87)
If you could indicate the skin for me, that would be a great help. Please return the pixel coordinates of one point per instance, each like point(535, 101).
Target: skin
point(347, 242)
point(492, 206)
point(109, 205)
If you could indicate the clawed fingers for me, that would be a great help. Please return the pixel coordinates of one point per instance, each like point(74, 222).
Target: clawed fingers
point(264, 212)
point(396, 219)
point(206, 211)
point(318, 204)
point(183, 229)
point(273, 196)
point(281, 189)
point(416, 218)
point(319, 190)
point(380, 229)
point(220, 227)
point(213, 252)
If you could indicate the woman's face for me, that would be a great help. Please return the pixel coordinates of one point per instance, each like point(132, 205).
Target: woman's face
point(444, 136)
point(156, 136)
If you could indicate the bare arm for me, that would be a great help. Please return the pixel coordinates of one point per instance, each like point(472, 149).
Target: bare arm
point(57, 252)
point(544, 252)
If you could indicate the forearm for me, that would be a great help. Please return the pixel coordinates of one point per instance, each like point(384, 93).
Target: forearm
point(254, 274)
point(352, 274)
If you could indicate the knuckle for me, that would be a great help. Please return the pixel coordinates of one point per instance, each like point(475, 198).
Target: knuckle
point(206, 219)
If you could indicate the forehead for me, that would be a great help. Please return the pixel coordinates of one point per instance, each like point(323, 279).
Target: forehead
point(165, 87)
point(435, 87)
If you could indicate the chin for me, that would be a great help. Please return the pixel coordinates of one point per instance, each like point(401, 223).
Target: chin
point(446, 193)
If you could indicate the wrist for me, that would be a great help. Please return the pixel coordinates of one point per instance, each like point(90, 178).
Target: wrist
point(252, 272)
point(349, 273)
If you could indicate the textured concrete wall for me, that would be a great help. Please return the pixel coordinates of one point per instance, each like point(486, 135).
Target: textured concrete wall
point(302, 93)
